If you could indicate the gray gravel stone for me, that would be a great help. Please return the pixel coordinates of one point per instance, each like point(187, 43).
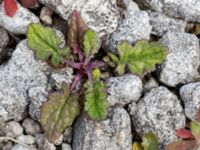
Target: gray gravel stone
point(67, 135)
point(185, 9)
point(182, 62)
point(159, 112)
point(43, 143)
point(111, 134)
point(21, 147)
point(124, 90)
point(26, 139)
point(16, 77)
point(66, 147)
point(4, 38)
point(31, 127)
point(100, 15)
point(150, 84)
point(13, 129)
point(19, 22)
point(190, 94)
point(135, 26)
point(131, 5)
point(161, 24)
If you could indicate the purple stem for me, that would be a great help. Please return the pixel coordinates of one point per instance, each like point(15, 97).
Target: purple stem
point(73, 64)
point(76, 80)
point(96, 64)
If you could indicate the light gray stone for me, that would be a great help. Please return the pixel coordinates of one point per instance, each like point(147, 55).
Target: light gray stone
point(66, 147)
point(131, 5)
point(113, 133)
point(58, 141)
point(43, 143)
point(185, 9)
point(21, 147)
point(190, 94)
point(26, 139)
point(31, 127)
point(159, 112)
point(124, 90)
point(13, 129)
point(135, 26)
point(21, 73)
point(4, 38)
point(182, 62)
point(150, 84)
point(161, 24)
point(17, 24)
point(100, 15)
point(67, 135)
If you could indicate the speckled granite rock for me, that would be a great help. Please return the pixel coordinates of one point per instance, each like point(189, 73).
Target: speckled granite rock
point(4, 38)
point(101, 15)
point(17, 76)
point(111, 134)
point(185, 9)
point(161, 24)
point(124, 90)
point(135, 26)
point(159, 112)
point(190, 94)
point(19, 22)
point(182, 62)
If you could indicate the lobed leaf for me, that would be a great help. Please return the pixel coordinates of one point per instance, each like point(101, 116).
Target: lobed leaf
point(182, 145)
point(46, 44)
point(150, 141)
point(141, 58)
point(195, 126)
point(96, 99)
point(59, 112)
point(91, 43)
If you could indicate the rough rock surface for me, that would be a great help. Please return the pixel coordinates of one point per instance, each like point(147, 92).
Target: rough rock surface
point(66, 147)
point(101, 15)
point(111, 134)
point(150, 84)
point(185, 9)
point(161, 24)
point(21, 147)
point(31, 127)
point(19, 22)
point(124, 90)
point(13, 129)
point(159, 112)
point(182, 62)
point(4, 38)
point(16, 77)
point(135, 26)
point(43, 143)
point(26, 139)
point(190, 94)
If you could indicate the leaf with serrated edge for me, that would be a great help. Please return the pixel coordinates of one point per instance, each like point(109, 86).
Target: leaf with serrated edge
point(150, 141)
point(45, 43)
point(143, 56)
point(182, 145)
point(59, 112)
point(195, 126)
point(91, 43)
point(96, 100)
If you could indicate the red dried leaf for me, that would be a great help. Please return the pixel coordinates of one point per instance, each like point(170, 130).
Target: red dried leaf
point(76, 31)
point(182, 145)
point(10, 7)
point(184, 134)
point(29, 3)
point(198, 115)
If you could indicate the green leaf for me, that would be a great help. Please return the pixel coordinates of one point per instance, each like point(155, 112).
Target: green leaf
point(137, 146)
point(96, 99)
point(91, 43)
point(182, 145)
point(46, 44)
point(141, 58)
point(150, 141)
point(59, 112)
point(195, 126)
